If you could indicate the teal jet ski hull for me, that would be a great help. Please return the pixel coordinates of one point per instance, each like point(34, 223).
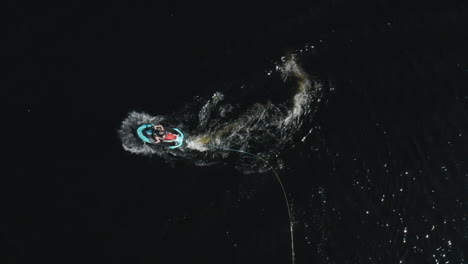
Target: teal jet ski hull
point(144, 132)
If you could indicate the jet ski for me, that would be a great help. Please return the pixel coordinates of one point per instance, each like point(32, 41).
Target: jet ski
point(171, 138)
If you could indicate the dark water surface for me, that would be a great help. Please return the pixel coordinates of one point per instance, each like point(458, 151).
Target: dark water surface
point(382, 176)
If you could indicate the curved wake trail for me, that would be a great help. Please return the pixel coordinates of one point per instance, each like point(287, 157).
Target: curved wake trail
point(263, 128)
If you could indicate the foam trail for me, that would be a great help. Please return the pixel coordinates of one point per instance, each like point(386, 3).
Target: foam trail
point(224, 120)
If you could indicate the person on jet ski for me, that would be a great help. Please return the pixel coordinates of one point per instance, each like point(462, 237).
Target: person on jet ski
point(160, 134)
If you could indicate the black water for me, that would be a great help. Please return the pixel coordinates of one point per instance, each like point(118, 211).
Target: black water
point(381, 179)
